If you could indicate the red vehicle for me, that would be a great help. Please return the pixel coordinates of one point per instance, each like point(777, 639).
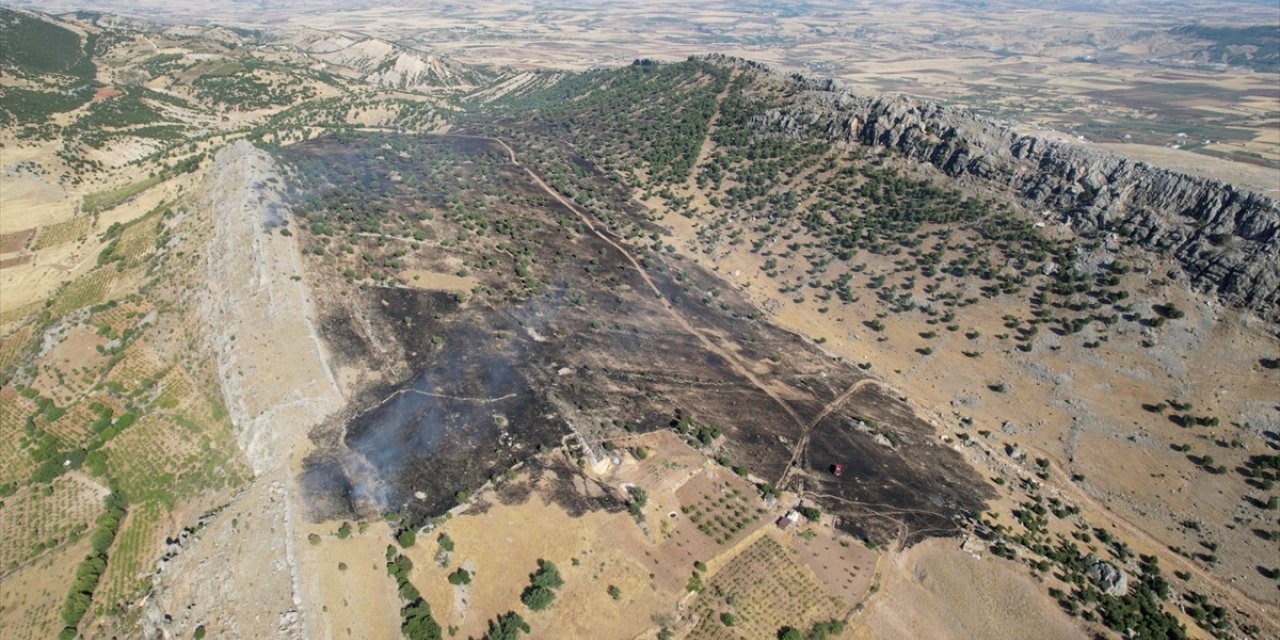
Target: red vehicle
point(837, 469)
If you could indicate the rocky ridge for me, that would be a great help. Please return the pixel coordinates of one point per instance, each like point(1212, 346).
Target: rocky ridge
point(1226, 239)
point(277, 385)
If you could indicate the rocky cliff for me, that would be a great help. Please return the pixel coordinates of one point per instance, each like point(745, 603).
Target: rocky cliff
point(1226, 239)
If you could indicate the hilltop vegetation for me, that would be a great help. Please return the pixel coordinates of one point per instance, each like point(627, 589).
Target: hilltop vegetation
point(54, 64)
point(34, 46)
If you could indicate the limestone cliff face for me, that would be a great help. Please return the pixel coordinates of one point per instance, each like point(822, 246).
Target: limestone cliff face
point(274, 371)
point(1226, 239)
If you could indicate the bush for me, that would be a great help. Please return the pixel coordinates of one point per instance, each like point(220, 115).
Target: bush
point(540, 592)
point(508, 626)
point(537, 598)
point(407, 538)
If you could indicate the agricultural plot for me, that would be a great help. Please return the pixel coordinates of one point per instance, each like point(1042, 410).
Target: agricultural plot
point(84, 291)
point(32, 597)
point(761, 591)
point(72, 428)
point(103, 200)
point(164, 458)
point(138, 240)
point(15, 463)
point(69, 370)
point(147, 458)
point(63, 232)
point(13, 242)
point(10, 317)
point(119, 317)
point(726, 516)
point(175, 389)
point(136, 549)
point(11, 347)
point(42, 517)
point(136, 368)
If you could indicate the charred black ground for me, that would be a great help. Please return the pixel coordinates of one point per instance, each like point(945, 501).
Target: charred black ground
point(562, 340)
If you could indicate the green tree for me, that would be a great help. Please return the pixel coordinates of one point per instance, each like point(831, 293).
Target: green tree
point(537, 598)
point(508, 626)
point(407, 538)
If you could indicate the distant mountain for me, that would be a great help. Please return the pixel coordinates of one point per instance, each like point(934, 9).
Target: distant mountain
point(385, 64)
point(1256, 47)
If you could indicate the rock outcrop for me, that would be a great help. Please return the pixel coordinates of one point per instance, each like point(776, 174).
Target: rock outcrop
point(274, 371)
point(1226, 239)
point(1111, 579)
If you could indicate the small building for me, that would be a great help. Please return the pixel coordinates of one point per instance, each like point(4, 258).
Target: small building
point(837, 469)
point(791, 518)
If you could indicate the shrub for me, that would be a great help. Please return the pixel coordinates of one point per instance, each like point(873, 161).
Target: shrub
point(508, 626)
point(407, 538)
point(537, 598)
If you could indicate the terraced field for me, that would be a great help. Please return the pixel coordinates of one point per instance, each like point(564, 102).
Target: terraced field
point(36, 519)
point(761, 591)
point(63, 232)
point(128, 575)
point(89, 289)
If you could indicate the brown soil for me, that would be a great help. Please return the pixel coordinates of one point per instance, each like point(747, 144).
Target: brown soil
point(10, 242)
point(14, 261)
point(106, 93)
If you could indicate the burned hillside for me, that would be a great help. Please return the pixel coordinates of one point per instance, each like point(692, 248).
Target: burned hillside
point(565, 333)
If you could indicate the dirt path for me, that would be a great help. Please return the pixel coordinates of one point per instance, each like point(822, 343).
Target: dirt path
point(691, 182)
point(734, 362)
point(803, 444)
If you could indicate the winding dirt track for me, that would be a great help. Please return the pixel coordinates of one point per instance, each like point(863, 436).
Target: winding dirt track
point(735, 363)
point(803, 445)
point(806, 427)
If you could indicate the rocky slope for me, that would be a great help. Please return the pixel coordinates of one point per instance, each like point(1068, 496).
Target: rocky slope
point(241, 574)
point(1226, 239)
